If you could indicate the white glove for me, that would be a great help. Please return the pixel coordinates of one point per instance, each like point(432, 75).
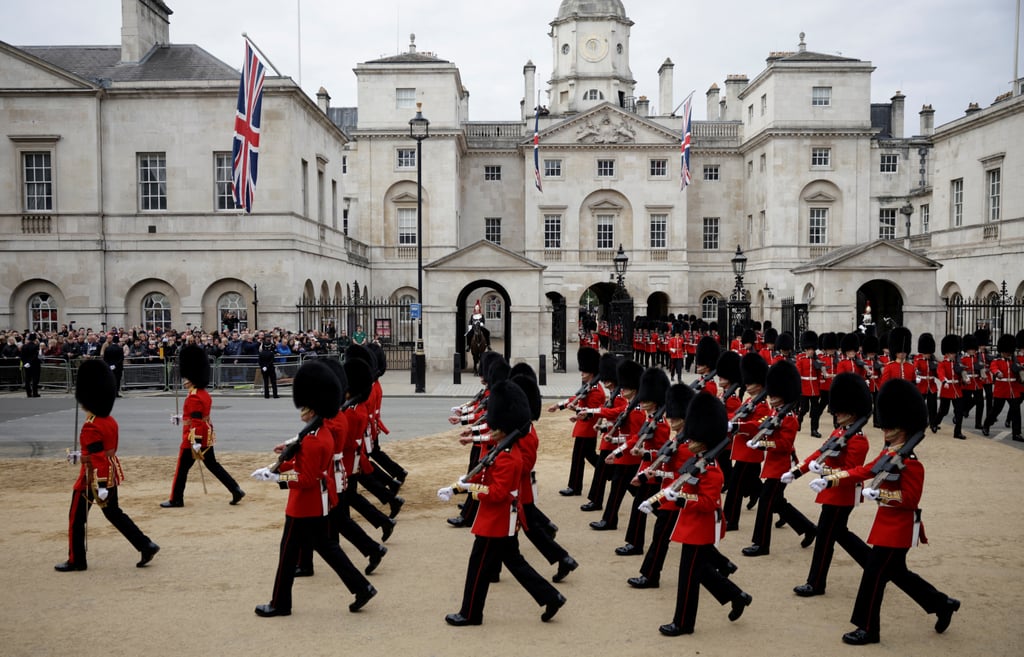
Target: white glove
point(818, 485)
point(814, 467)
point(264, 474)
point(112, 368)
point(28, 365)
point(645, 507)
point(197, 446)
point(445, 494)
point(456, 410)
point(870, 493)
point(175, 420)
point(729, 427)
point(102, 493)
point(754, 443)
point(671, 495)
point(264, 369)
point(786, 478)
point(463, 481)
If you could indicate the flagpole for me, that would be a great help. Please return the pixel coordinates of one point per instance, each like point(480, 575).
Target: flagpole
point(298, 9)
point(261, 54)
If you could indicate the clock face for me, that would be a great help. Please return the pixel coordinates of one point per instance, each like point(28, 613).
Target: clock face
point(594, 49)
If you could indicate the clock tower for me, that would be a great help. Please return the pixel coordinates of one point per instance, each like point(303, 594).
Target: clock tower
point(590, 43)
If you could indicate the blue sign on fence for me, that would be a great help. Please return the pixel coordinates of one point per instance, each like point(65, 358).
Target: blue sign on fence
point(414, 310)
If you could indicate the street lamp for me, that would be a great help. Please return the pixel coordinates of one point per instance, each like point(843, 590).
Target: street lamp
point(620, 314)
point(739, 301)
point(419, 129)
point(907, 211)
point(621, 261)
point(255, 308)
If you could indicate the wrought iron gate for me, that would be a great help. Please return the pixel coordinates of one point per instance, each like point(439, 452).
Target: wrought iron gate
point(558, 337)
point(999, 313)
point(794, 318)
point(620, 323)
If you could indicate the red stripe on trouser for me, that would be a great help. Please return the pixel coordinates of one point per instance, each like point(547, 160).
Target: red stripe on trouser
point(878, 588)
point(76, 499)
point(286, 541)
point(689, 578)
point(476, 579)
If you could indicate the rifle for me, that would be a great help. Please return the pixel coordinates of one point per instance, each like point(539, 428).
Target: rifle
point(770, 424)
point(887, 467)
point(666, 452)
point(746, 408)
point(489, 457)
point(292, 445)
point(633, 403)
point(584, 389)
point(691, 471)
point(647, 430)
point(834, 445)
point(699, 384)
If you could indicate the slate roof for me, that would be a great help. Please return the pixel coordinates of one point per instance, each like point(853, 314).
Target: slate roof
point(409, 58)
point(182, 62)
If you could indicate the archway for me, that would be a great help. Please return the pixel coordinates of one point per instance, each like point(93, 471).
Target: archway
point(461, 321)
point(657, 305)
point(558, 330)
point(886, 304)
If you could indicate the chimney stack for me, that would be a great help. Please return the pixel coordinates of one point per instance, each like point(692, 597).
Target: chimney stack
point(896, 115)
point(927, 121)
point(713, 102)
point(144, 24)
point(643, 106)
point(323, 100)
point(665, 77)
point(734, 85)
point(530, 90)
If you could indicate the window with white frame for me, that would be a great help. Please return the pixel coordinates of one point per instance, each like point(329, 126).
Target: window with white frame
point(37, 178)
point(926, 218)
point(750, 168)
point(492, 229)
point(223, 194)
point(711, 173)
point(552, 231)
point(889, 163)
point(152, 181)
point(406, 226)
point(659, 168)
point(709, 308)
point(887, 224)
point(156, 312)
point(956, 197)
point(492, 307)
point(817, 226)
point(552, 168)
point(593, 94)
point(821, 157)
point(344, 164)
point(821, 96)
point(764, 104)
point(762, 163)
point(405, 98)
point(492, 172)
point(993, 184)
point(605, 231)
point(710, 233)
point(405, 311)
point(659, 231)
point(42, 312)
point(406, 158)
point(750, 113)
point(605, 168)
point(234, 303)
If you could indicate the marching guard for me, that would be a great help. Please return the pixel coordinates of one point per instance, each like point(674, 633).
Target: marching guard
point(591, 394)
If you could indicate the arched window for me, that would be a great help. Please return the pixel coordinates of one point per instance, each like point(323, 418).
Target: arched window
point(233, 312)
point(956, 302)
point(42, 312)
point(593, 94)
point(156, 312)
point(709, 308)
point(492, 307)
point(403, 311)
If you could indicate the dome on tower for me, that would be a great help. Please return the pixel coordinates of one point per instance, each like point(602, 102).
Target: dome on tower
point(572, 8)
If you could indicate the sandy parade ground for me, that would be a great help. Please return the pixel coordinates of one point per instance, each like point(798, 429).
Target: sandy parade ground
point(217, 562)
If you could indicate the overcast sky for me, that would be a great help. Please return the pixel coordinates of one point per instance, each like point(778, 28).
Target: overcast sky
point(944, 52)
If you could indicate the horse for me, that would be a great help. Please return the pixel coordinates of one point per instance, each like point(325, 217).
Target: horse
point(478, 344)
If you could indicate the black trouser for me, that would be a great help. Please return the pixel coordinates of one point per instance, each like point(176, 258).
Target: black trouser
point(695, 569)
point(376, 483)
point(32, 371)
point(885, 564)
point(601, 475)
point(78, 515)
point(958, 413)
point(485, 560)
point(185, 461)
point(306, 533)
point(661, 538)
point(1012, 414)
point(812, 404)
point(773, 500)
point(988, 400)
point(584, 449)
point(385, 462)
point(744, 482)
point(339, 521)
point(675, 369)
point(621, 475)
point(269, 380)
point(932, 404)
point(975, 400)
point(469, 507)
point(536, 531)
point(831, 530)
point(363, 506)
point(637, 527)
point(689, 361)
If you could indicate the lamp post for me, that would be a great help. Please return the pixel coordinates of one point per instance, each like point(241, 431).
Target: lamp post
point(907, 211)
point(419, 129)
point(621, 314)
point(255, 308)
point(739, 300)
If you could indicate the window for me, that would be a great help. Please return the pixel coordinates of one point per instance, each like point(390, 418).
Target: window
point(406, 158)
point(887, 224)
point(223, 195)
point(406, 226)
point(334, 204)
point(750, 168)
point(956, 197)
point(304, 184)
point(605, 168)
point(552, 231)
point(593, 94)
point(890, 163)
point(659, 231)
point(764, 104)
point(750, 113)
point(156, 312)
point(993, 182)
point(711, 173)
point(821, 96)
point(492, 172)
point(659, 168)
point(605, 231)
point(492, 307)
point(709, 308)
point(818, 226)
point(763, 163)
point(926, 218)
point(344, 164)
point(710, 241)
point(233, 303)
point(152, 181)
point(37, 176)
point(821, 157)
point(321, 197)
point(552, 168)
point(405, 98)
point(492, 229)
point(42, 313)
point(404, 311)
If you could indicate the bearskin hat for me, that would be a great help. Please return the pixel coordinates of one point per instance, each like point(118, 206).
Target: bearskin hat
point(95, 389)
point(748, 337)
point(951, 344)
point(360, 352)
point(707, 352)
point(770, 335)
point(317, 388)
point(970, 343)
point(808, 340)
point(785, 342)
point(338, 370)
point(871, 344)
point(706, 420)
point(783, 380)
point(850, 342)
point(984, 337)
point(589, 325)
point(508, 408)
point(379, 357)
point(713, 327)
point(609, 368)
point(498, 371)
point(901, 341)
point(926, 343)
point(529, 387)
point(194, 365)
point(654, 383)
point(360, 380)
point(901, 406)
point(1020, 339)
point(829, 341)
point(753, 369)
point(629, 374)
point(485, 361)
point(589, 360)
point(1007, 343)
point(728, 367)
point(883, 341)
point(522, 369)
point(849, 394)
point(678, 399)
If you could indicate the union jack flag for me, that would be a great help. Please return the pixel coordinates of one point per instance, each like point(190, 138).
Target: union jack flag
point(684, 144)
point(245, 152)
point(536, 148)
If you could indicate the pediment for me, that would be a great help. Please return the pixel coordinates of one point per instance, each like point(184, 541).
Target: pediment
point(879, 255)
point(484, 256)
point(20, 70)
point(605, 205)
point(820, 197)
point(404, 197)
point(607, 124)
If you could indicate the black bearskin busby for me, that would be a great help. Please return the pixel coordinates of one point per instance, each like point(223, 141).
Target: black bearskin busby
point(379, 357)
point(654, 383)
point(523, 369)
point(706, 420)
point(849, 394)
point(771, 336)
point(728, 367)
point(1020, 339)
point(529, 387)
point(609, 368)
point(785, 342)
point(629, 374)
point(870, 344)
point(970, 343)
point(901, 341)
point(485, 361)
point(951, 344)
point(748, 337)
point(808, 340)
point(1007, 343)
point(926, 344)
point(358, 351)
point(498, 371)
point(589, 360)
point(678, 399)
point(508, 408)
point(850, 342)
point(984, 337)
point(317, 388)
point(194, 365)
point(783, 380)
point(753, 369)
point(901, 406)
point(707, 352)
point(95, 389)
point(829, 341)
point(339, 372)
point(360, 379)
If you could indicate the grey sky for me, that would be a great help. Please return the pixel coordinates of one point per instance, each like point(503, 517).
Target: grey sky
point(944, 52)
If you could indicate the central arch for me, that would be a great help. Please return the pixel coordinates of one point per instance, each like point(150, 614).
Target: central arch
point(886, 303)
point(460, 316)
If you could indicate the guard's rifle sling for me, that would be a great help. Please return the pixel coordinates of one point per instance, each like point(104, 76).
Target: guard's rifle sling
point(888, 467)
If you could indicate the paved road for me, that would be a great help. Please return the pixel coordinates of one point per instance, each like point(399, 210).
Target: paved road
point(44, 427)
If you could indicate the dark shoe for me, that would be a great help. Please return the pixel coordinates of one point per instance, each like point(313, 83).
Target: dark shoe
point(984, 431)
point(816, 434)
point(751, 503)
point(551, 530)
point(458, 620)
point(643, 582)
point(375, 559)
point(387, 530)
point(148, 554)
point(739, 603)
point(266, 396)
point(276, 397)
point(553, 608)
point(362, 598)
point(396, 506)
point(671, 629)
point(236, 496)
point(959, 436)
point(268, 610)
point(860, 637)
point(565, 566)
point(590, 506)
point(303, 572)
point(602, 526)
point(629, 550)
point(946, 614)
point(728, 569)
point(808, 538)
point(457, 521)
point(1018, 438)
point(68, 567)
point(780, 523)
point(934, 428)
point(568, 492)
point(401, 476)
point(807, 591)
point(755, 551)
point(732, 528)
point(172, 504)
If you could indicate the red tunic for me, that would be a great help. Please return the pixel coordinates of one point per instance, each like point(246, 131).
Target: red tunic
point(584, 426)
point(926, 382)
point(810, 375)
point(681, 456)
point(308, 494)
point(610, 414)
point(948, 381)
point(828, 372)
point(98, 441)
point(676, 347)
point(528, 446)
point(894, 521)
point(630, 429)
point(745, 431)
point(494, 517)
point(972, 381)
point(895, 370)
point(853, 455)
point(195, 414)
point(1002, 378)
point(777, 459)
point(697, 518)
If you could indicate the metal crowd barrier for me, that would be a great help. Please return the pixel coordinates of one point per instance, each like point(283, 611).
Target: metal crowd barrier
point(55, 374)
point(10, 374)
